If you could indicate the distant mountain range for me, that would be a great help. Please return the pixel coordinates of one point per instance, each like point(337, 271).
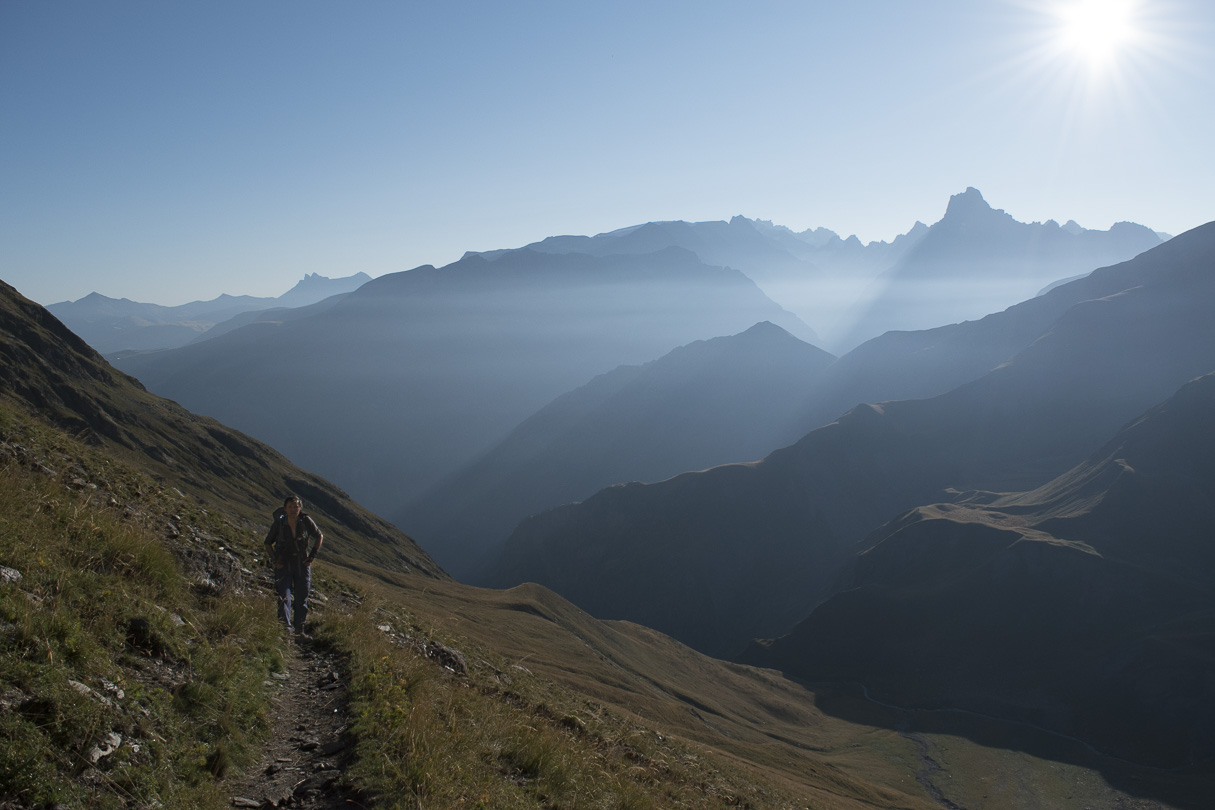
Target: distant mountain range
point(976, 260)
point(717, 557)
point(815, 274)
point(413, 375)
point(112, 325)
point(708, 403)
point(439, 380)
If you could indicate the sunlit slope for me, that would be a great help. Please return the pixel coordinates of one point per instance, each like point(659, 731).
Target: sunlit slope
point(1086, 605)
point(52, 372)
point(755, 720)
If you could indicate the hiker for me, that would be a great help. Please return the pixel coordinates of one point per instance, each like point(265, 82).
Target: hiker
point(287, 548)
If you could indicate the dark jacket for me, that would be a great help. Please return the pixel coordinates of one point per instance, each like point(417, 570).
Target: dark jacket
point(286, 548)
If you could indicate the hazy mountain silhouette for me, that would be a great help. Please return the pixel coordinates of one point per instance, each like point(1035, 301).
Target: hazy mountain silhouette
point(972, 262)
point(113, 325)
point(411, 376)
point(711, 557)
point(929, 362)
point(1086, 605)
point(814, 273)
point(707, 403)
point(977, 260)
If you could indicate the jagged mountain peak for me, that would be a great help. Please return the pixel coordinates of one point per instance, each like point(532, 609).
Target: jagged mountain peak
point(970, 206)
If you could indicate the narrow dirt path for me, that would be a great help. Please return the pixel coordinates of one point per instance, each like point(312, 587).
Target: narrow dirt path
point(302, 762)
point(929, 767)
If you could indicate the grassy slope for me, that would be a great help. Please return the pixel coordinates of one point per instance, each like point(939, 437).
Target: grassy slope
point(136, 528)
point(86, 447)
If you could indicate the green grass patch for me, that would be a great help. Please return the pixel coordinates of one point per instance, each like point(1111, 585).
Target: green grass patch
point(121, 684)
point(499, 737)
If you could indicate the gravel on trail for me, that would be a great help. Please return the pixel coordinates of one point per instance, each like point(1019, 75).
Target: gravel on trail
point(303, 759)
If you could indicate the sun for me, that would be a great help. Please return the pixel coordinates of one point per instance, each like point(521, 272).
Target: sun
point(1096, 30)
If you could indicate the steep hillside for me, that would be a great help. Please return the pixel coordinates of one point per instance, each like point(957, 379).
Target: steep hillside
point(47, 368)
point(415, 373)
point(140, 662)
point(708, 403)
point(1086, 605)
point(714, 557)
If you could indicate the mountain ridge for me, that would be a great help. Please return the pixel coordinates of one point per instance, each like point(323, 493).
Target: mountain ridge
point(423, 370)
point(49, 368)
point(1019, 425)
point(705, 403)
point(119, 324)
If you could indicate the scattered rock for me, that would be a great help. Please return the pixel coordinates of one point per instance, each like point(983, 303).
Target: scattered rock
point(303, 760)
point(113, 689)
point(108, 745)
point(90, 693)
point(214, 573)
point(8, 575)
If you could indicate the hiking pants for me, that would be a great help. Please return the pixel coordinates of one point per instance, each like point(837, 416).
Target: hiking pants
point(293, 582)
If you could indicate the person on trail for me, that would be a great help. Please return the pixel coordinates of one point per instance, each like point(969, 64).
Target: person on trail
point(287, 548)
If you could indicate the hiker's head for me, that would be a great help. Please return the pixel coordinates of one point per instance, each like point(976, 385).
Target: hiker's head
point(293, 504)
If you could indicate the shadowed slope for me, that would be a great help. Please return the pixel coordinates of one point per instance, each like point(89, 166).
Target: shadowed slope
point(715, 556)
point(1086, 605)
point(415, 373)
point(711, 402)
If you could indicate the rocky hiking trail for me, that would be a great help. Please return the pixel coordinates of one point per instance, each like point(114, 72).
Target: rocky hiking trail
point(303, 759)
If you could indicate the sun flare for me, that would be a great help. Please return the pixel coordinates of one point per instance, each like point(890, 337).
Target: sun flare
point(1096, 30)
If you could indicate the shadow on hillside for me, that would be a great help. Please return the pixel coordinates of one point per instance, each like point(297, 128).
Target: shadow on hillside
point(1184, 789)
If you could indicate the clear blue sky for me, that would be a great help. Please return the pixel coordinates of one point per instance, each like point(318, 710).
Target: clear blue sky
point(170, 151)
